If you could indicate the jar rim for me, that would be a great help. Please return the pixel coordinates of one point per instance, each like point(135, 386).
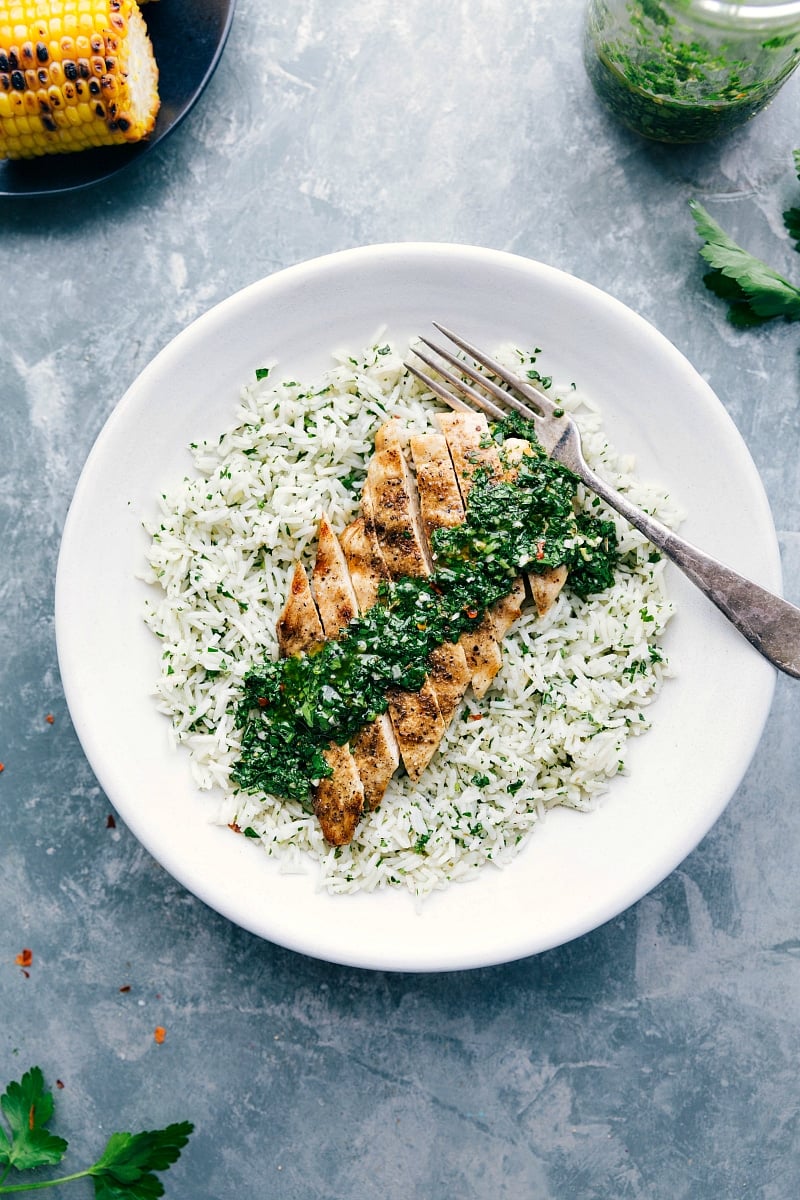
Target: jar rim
point(762, 14)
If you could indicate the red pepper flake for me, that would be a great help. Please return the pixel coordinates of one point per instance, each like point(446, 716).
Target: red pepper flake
point(471, 613)
point(110, 822)
point(2, 766)
point(159, 1033)
point(50, 719)
point(262, 701)
point(236, 828)
point(24, 958)
point(476, 716)
point(126, 987)
point(540, 550)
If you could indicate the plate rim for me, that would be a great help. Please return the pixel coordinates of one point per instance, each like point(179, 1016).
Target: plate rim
point(219, 312)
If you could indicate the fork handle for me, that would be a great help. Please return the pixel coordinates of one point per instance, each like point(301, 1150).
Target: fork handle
point(769, 623)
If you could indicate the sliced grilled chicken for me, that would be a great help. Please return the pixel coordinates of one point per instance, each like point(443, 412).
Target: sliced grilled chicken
point(391, 433)
point(416, 718)
point(377, 757)
point(441, 507)
point(331, 583)
point(506, 611)
point(471, 449)
point(338, 798)
point(364, 562)
point(375, 749)
point(545, 585)
point(390, 504)
point(440, 503)
point(450, 677)
point(391, 540)
point(299, 628)
point(418, 726)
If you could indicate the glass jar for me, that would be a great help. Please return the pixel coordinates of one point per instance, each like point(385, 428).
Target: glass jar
point(689, 70)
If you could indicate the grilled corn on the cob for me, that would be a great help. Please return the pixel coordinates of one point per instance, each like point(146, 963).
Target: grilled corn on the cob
point(74, 74)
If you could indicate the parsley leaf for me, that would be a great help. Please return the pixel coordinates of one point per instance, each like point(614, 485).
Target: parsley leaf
point(28, 1107)
point(125, 1170)
point(752, 290)
point(791, 218)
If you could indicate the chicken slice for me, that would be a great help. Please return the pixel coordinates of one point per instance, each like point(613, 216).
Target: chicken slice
point(390, 506)
point(418, 726)
point(377, 757)
point(441, 507)
point(338, 799)
point(391, 433)
point(506, 611)
point(333, 588)
point(440, 503)
point(364, 562)
point(545, 585)
point(415, 716)
point(450, 677)
point(299, 628)
point(374, 747)
point(471, 449)
point(390, 503)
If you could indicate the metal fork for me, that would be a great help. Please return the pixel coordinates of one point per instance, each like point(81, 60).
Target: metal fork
point(769, 623)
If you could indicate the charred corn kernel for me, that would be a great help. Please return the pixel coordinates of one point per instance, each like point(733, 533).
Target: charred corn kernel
point(74, 74)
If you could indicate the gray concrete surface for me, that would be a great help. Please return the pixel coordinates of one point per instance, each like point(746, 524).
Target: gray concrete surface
point(654, 1058)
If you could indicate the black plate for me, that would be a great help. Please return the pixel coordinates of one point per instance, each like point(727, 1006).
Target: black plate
point(188, 38)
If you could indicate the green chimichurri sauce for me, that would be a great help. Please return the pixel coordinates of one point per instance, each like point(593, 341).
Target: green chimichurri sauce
point(292, 708)
point(672, 82)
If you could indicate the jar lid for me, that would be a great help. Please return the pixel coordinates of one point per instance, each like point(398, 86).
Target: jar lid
point(757, 14)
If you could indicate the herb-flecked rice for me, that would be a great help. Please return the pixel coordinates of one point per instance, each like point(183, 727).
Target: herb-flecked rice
point(552, 729)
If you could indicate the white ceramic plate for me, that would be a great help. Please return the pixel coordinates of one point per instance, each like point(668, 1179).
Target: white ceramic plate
point(579, 870)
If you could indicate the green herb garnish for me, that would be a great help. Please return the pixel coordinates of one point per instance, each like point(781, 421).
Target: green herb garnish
point(753, 291)
point(791, 218)
point(125, 1170)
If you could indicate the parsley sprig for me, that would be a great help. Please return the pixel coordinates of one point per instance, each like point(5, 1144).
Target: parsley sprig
point(124, 1171)
point(753, 291)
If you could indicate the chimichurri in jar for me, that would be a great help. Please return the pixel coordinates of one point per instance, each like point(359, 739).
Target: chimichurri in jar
point(689, 70)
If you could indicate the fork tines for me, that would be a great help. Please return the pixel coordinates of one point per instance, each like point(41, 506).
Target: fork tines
point(486, 382)
point(482, 402)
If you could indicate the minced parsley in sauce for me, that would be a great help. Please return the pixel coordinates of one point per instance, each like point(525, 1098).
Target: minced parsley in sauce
point(293, 708)
point(672, 82)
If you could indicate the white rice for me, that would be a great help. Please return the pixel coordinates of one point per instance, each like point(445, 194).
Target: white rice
point(553, 728)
